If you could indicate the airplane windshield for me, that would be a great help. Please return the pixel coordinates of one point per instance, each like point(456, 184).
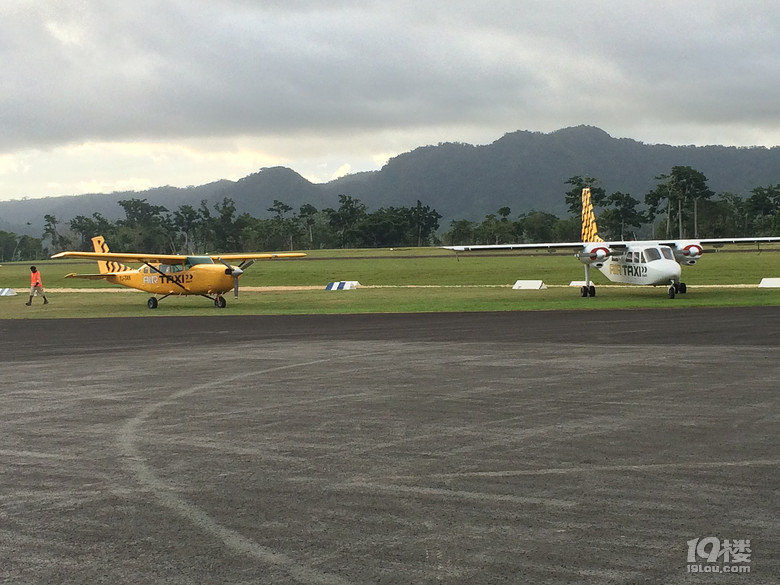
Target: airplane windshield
point(667, 252)
point(652, 254)
point(193, 260)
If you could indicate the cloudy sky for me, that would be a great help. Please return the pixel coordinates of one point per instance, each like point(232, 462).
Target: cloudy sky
point(106, 95)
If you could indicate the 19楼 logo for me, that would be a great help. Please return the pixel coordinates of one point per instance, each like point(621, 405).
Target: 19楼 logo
point(712, 555)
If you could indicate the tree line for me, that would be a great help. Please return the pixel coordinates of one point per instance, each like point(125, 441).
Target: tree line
point(147, 227)
point(680, 206)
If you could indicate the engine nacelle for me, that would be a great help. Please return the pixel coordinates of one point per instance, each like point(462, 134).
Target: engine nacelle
point(594, 254)
point(687, 252)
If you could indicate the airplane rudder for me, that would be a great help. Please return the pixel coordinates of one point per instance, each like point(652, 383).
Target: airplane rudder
point(590, 232)
point(104, 266)
point(99, 243)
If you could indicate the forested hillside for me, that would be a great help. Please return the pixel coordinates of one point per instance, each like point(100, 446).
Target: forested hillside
point(519, 173)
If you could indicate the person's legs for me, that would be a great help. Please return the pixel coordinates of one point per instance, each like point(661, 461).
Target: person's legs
point(39, 290)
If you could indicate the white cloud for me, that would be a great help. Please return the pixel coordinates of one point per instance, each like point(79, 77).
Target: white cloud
point(13, 164)
point(66, 33)
point(343, 170)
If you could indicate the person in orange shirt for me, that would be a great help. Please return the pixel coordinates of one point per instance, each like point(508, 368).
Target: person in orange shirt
point(36, 286)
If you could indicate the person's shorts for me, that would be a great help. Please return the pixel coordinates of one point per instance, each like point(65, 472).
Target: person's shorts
point(36, 289)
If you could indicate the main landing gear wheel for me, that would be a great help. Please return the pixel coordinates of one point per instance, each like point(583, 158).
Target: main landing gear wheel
point(220, 302)
point(151, 303)
point(588, 291)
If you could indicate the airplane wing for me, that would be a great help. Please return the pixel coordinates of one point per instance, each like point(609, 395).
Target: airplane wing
point(719, 242)
point(170, 258)
point(593, 247)
point(259, 256)
point(94, 276)
point(119, 257)
point(552, 246)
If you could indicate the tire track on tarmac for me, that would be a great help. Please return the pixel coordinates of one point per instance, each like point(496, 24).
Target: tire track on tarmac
point(232, 539)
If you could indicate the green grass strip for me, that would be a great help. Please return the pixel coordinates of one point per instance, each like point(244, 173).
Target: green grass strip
point(407, 280)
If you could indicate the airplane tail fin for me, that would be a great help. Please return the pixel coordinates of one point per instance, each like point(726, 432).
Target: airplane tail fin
point(590, 232)
point(105, 266)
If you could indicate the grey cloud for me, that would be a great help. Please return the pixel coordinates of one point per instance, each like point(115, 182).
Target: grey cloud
point(148, 69)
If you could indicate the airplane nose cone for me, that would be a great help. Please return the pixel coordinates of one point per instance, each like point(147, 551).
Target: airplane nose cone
point(237, 271)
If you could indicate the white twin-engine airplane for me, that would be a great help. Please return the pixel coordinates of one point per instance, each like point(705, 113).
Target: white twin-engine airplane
point(648, 262)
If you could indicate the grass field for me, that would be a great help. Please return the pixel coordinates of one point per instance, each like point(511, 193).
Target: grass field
point(401, 280)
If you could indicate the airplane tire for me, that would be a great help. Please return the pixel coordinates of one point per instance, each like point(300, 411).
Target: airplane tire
point(683, 288)
point(592, 291)
point(151, 303)
point(672, 292)
point(220, 302)
point(584, 292)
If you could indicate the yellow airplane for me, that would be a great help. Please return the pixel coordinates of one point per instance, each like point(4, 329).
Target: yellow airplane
point(171, 274)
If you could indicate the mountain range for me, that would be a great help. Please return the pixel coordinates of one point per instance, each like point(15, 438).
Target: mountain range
point(522, 170)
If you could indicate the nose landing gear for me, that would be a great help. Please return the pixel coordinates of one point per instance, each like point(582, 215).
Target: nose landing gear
point(677, 288)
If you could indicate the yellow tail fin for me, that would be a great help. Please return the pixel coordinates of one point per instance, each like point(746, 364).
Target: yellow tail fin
point(590, 233)
point(105, 266)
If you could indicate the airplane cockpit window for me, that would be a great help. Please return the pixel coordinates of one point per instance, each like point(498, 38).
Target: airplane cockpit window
point(667, 252)
point(166, 268)
point(637, 257)
point(629, 257)
point(652, 254)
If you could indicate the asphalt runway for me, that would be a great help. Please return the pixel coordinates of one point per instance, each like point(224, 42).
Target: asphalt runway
point(481, 448)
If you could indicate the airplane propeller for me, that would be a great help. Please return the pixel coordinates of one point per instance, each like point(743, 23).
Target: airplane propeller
point(235, 272)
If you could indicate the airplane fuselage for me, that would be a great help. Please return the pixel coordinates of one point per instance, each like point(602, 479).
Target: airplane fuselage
point(642, 264)
point(164, 279)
